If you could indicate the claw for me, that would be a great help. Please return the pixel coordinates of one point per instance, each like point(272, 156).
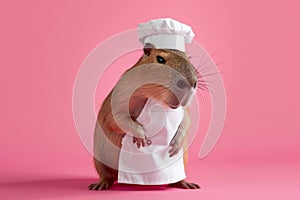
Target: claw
point(101, 185)
point(174, 150)
point(140, 142)
point(185, 185)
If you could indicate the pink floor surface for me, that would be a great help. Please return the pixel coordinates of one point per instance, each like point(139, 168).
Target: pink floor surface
point(242, 180)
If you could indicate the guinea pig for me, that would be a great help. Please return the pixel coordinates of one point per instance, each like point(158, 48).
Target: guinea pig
point(171, 80)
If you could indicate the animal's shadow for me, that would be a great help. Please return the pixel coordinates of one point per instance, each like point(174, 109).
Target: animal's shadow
point(40, 189)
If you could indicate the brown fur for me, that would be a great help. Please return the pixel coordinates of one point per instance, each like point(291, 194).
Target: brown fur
point(109, 134)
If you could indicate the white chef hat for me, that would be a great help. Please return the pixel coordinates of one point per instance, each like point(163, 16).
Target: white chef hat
point(165, 33)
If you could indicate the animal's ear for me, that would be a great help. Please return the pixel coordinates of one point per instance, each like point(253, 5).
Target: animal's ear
point(148, 48)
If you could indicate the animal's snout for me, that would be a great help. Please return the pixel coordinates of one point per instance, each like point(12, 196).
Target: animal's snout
point(182, 84)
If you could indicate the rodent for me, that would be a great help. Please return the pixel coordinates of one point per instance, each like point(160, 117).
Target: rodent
point(108, 133)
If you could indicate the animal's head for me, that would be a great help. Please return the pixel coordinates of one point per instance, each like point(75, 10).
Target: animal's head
point(182, 81)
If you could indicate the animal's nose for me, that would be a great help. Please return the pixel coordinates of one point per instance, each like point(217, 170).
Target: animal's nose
point(184, 84)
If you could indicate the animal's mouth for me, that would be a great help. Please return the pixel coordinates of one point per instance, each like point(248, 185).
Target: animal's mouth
point(173, 102)
point(182, 100)
point(173, 106)
point(185, 100)
point(187, 97)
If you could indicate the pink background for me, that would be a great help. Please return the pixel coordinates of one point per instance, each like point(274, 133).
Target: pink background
point(43, 44)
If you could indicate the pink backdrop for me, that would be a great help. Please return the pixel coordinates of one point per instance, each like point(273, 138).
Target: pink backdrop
point(43, 44)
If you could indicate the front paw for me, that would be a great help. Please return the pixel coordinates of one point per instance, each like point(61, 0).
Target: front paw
point(176, 143)
point(102, 185)
point(139, 136)
point(175, 148)
point(185, 185)
point(139, 141)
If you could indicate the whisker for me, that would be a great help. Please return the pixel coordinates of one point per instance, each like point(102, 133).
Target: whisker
point(201, 64)
point(211, 74)
point(202, 57)
point(213, 65)
point(205, 74)
point(203, 86)
point(207, 87)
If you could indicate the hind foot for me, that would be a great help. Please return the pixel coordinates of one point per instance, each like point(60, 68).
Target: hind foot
point(185, 185)
point(101, 185)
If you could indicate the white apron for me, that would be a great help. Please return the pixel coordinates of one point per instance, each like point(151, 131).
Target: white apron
point(151, 165)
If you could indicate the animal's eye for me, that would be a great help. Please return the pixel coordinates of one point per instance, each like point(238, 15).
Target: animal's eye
point(160, 60)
